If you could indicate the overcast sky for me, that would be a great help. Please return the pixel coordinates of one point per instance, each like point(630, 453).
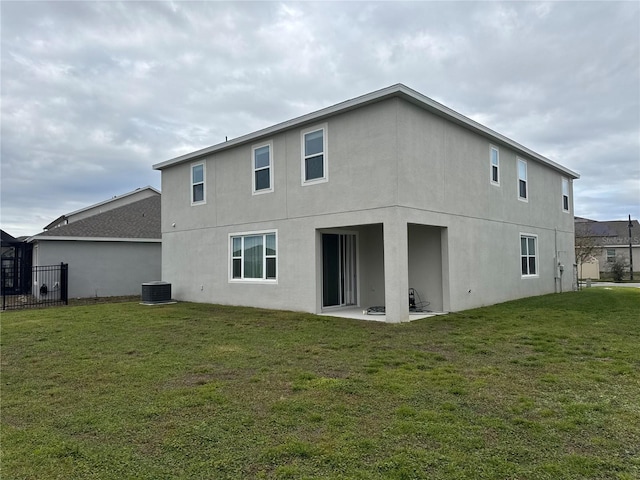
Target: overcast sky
point(95, 93)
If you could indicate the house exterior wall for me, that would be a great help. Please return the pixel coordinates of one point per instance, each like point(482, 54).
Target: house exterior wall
point(351, 187)
point(103, 269)
point(197, 264)
point(425, 264)
point(414, 186)
point(371, 248)
point(445, 168)
point(621, 252)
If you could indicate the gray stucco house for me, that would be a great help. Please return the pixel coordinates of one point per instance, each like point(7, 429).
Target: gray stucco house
point(356, 203)
point(111, 247)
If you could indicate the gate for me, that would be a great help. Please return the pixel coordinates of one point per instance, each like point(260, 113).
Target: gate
point(40, 286)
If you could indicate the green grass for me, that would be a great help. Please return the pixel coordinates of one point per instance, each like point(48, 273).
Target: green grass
point(542, 388)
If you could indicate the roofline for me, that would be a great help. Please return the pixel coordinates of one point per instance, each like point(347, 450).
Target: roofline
point(104, 202)
point(55, 222)
point(399, 90)
point(92, 239)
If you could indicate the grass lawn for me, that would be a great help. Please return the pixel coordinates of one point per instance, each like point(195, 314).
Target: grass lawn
point(541, 388)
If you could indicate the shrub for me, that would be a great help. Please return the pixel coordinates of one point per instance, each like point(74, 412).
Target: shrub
point(617, 270)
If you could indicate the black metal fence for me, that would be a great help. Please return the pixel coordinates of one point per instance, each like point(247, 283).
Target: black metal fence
point(38, 286)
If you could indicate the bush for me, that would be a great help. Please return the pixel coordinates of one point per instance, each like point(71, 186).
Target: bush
point(617, 270)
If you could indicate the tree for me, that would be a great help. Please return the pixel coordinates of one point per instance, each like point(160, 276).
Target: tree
point(586, 245)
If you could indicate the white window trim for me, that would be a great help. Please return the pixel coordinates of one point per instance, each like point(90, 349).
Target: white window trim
point(264, 281)
point(253, 168)
point(497, 150)
point(204, 183)
point(565, 181)
point(325, 156)
point(537, 256)
point(526, 179)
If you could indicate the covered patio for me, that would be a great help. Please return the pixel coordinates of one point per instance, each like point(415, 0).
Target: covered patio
point(358, 313)
point(382, 265)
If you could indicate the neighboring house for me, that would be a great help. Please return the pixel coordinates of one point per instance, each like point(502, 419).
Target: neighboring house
point(8, 244)
point(111, 247)
point(355, 204)
point(610, 240)
point(15, 269)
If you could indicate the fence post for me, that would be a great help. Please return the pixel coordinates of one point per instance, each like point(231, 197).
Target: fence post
point(4, 293)
point(64, 283)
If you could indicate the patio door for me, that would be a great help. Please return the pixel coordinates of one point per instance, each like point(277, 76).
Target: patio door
point(339, 279)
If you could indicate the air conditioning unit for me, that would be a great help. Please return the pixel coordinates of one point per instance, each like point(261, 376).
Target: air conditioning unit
point(154, 293)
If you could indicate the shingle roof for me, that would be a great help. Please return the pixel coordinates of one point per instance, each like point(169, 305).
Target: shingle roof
point(136, 220)
point(103, 206)
point(8, 240)
point(614, 228)
point(611, 232)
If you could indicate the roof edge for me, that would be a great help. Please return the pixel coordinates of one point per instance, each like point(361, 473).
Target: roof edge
point(104, 202)
point(92, 239)
point(294, 122)
point(397, 90)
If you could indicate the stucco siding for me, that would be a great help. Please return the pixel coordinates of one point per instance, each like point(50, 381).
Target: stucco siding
point(103, 269)
point(481, 259)
point(362, 172)
point(412, 186)
point(371, 279)
point(444, 167)
point(425, 265)
point(361, 155)
point(198, 263)
point(622, 254)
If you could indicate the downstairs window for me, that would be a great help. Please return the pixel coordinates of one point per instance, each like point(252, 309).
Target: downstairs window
point(253, 256)
point(528, 255)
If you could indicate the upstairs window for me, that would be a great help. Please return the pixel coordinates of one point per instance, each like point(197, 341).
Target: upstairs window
point(565, 194)
point(495, 166)
point(523, 188)
point(197, 183)
point(262, 168)
point(314, 156)
point(528, 255)
point(254, 256)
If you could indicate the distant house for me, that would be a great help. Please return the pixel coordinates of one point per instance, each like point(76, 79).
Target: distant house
point(611, 240)
point(16, 265)
point(111, 247)
point(362, 202)
point(8, 244)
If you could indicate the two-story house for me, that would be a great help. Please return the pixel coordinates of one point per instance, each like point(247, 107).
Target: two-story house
point(359, 202)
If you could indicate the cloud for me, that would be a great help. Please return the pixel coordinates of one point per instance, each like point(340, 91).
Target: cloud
point(94, 93)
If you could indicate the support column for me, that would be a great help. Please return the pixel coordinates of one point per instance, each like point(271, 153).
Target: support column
point(396, 270)
point(446, 282)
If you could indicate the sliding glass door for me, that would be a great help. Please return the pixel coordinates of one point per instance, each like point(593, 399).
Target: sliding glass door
point(339, 278)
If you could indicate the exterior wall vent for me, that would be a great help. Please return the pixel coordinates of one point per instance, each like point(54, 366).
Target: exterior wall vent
point(155, 293)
